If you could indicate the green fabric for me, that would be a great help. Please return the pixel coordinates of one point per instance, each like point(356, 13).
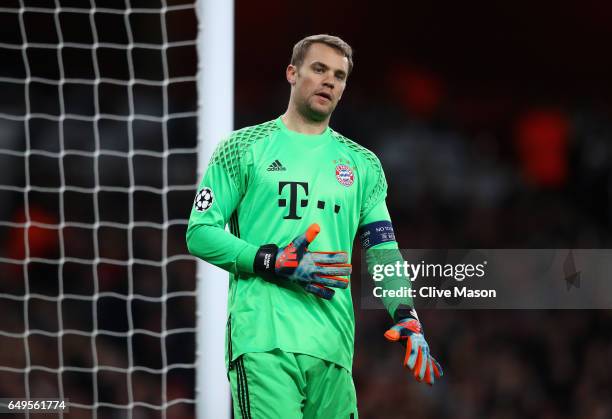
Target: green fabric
point(246, 256)
point(386, 254)
point(389, 254)
point(277, 384)
point(246, 176)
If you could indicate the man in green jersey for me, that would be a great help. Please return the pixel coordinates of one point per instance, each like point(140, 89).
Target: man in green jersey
point(295, 194)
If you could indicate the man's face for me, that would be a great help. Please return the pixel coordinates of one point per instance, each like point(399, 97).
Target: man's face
point(319, 81)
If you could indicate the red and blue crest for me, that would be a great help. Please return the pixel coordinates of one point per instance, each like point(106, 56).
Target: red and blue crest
point(345, 175)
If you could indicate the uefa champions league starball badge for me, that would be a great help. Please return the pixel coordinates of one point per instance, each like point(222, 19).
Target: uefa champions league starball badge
point(204, 200)
point(345, 175)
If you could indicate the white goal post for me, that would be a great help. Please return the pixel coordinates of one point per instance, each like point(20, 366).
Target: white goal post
point(216, 104)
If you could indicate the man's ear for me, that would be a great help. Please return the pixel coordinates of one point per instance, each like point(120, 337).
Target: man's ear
point(291, 74)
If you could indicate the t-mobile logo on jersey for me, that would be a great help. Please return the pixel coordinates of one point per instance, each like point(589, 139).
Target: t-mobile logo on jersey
point(293, 198)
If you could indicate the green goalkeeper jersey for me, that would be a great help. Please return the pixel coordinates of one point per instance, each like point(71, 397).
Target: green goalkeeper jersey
point(270, 184)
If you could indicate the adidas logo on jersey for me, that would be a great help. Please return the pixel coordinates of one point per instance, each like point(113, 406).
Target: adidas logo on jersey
point(276, 166)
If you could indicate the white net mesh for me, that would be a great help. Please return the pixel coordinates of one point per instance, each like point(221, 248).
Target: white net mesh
point(98, 168)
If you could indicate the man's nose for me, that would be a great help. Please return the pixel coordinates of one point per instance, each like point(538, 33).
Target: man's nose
point(329, 83)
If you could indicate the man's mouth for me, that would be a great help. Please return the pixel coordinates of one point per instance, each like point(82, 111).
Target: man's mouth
point(324, 95)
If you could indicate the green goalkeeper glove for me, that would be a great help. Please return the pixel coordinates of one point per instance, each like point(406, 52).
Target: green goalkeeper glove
point(314, 271)
point(409, 331)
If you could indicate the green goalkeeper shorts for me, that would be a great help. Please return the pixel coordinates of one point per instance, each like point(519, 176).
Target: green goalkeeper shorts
point(286, 385)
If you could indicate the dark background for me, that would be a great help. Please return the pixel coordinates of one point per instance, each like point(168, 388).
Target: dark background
point(492, 122)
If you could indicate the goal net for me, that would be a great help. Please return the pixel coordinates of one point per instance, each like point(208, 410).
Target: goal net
point(98, 170)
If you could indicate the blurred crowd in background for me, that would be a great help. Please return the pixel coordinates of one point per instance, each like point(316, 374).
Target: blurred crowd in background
point(493, 124)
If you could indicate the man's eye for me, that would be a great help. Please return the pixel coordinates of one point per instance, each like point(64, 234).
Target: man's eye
point(318, 70)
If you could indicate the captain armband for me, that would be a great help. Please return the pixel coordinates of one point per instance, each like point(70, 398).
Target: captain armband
point(376, 233)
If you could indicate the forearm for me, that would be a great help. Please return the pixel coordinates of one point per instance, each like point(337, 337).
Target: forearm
point(217, 246)
point(378, 239)
point(388, 254)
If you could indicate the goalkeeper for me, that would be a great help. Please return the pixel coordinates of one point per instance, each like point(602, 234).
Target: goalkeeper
point(295, 194)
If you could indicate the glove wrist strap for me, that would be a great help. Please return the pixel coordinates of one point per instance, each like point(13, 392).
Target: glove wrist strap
point(404, 311)
point(263, 265)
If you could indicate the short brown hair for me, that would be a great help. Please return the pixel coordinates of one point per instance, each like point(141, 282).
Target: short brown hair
point(300, 49)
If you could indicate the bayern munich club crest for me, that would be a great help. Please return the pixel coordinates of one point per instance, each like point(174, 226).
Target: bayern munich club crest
point(345, 175)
